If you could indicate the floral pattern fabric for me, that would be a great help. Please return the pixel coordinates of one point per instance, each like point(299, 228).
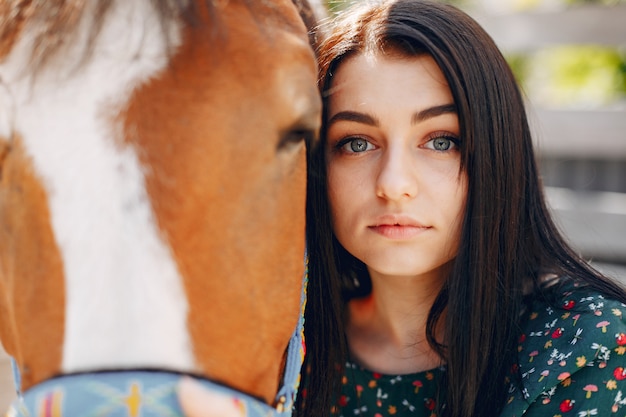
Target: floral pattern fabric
point(572, 359)
point(571, 363)
point(370, 394)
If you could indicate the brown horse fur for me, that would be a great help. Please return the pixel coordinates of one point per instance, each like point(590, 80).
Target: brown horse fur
point(216, 133)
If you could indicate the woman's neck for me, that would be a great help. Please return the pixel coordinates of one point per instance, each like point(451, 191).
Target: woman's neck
point(386, 330)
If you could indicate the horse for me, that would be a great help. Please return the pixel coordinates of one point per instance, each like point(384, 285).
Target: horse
point(152, 195)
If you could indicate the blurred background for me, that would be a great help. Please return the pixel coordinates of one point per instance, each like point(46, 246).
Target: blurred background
point(570, 59)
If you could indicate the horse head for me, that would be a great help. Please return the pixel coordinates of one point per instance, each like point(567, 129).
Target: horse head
point(152, 186)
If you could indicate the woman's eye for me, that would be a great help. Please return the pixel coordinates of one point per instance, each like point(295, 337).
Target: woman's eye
point(442, 143)
point(356, 145)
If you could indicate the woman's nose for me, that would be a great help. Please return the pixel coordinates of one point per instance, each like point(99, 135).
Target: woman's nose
point(397, 177)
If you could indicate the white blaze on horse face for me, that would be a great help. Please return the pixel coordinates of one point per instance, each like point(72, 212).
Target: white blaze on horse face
point(125, 303)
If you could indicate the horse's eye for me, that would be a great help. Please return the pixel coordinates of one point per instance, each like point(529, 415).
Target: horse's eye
point(294, 137)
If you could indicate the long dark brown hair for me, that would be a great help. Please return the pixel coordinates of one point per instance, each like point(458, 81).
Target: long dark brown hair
point(508, 242)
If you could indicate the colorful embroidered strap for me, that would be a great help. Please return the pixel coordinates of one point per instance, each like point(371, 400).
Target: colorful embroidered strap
point(295, 354)
point(148, 393)
point(118, 394)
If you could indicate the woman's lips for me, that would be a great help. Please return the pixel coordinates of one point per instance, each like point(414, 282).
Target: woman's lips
point(398, 227)
point(396, 231)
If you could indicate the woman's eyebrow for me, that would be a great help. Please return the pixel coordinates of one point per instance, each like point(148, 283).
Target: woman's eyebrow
point(353, 116)
point(433, 112)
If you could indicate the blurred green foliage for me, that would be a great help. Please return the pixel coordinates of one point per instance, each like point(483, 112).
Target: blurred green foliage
point(335, 6)
point(572, 75)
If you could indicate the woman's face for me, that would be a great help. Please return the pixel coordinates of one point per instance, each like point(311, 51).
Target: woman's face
point(396, 191)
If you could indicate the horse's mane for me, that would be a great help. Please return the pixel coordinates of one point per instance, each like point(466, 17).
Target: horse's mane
point(57, 21)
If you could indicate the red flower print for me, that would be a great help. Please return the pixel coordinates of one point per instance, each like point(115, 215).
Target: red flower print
point(568, 304)
point(430, 404)
point(417, 384)
point(620, 338)
point(558, 333)
point(619, 373)
point(566, 406)
point(343, 401)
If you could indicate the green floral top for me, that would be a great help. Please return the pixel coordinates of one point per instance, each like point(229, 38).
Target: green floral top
point(572, 362)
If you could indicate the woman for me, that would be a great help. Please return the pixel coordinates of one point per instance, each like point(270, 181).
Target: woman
point(439, 284)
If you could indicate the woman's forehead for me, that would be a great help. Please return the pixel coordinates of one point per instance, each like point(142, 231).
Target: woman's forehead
point(367, 77)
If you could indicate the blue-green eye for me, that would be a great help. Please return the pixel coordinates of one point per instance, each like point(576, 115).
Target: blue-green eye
point(358, 145)
point(355, 145)
point(442, 143)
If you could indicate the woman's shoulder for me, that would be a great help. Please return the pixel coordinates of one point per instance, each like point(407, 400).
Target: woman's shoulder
point(565, 312)
point(571, 355)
